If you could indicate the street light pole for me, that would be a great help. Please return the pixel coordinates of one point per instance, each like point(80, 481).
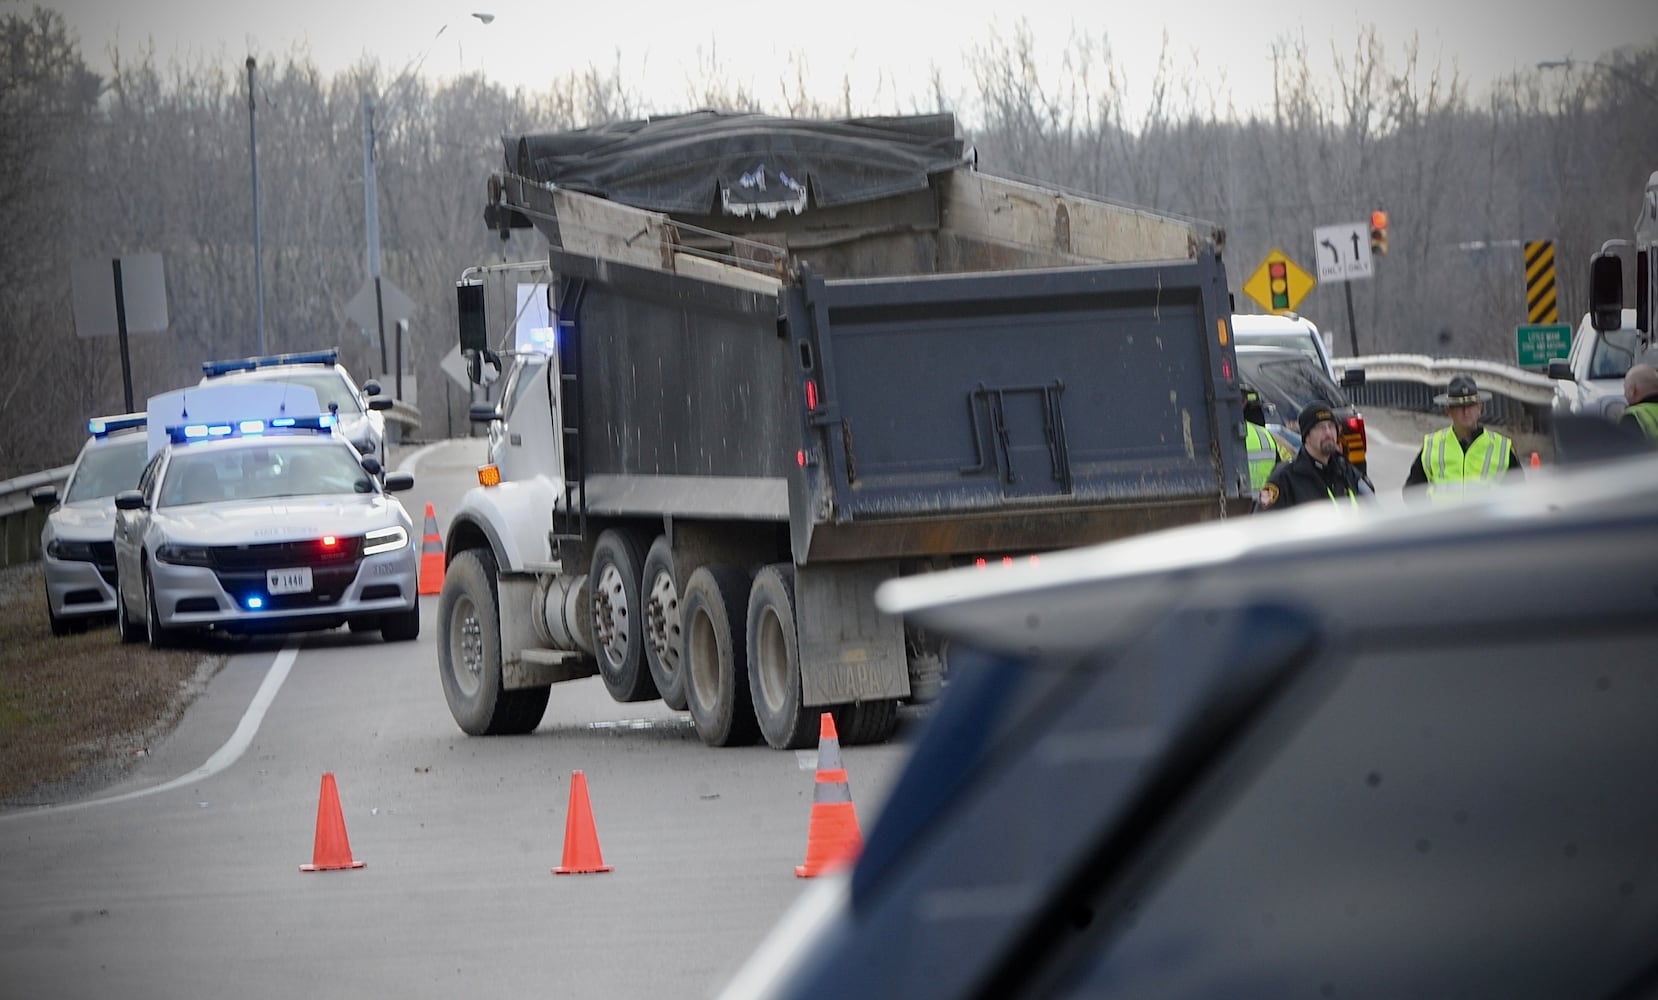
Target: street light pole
point(258, 255)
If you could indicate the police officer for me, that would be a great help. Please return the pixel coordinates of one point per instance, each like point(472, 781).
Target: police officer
point(1263, 446)
point(1640, 391)
point(1464, 458)
point(1319, 471)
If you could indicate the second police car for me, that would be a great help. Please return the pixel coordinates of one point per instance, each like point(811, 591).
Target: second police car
point(260, 523)
point(76, 552)
point(358, 412)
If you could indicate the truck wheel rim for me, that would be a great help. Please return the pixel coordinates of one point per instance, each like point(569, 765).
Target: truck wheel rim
point(773, 653)
point(610, 615)
point(467, 646)
point(662, 621)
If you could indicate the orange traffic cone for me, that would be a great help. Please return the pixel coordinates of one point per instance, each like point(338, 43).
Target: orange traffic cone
point(332, 850)
point(581, 840)
point(833, 839)
point(1536, 461)
point(431, 556)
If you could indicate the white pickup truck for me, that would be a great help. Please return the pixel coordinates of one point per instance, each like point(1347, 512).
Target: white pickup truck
point(1589, 380)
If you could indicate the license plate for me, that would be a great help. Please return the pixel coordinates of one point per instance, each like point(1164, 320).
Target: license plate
point(288, 581)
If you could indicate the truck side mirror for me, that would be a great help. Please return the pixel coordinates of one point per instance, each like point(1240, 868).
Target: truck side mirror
point(1605, 292)
point(380, 403)
point(1352, 378)
point(44, 496)
point(1560, 369)
point(129, 500)
point(474, 326)
point(372, 388)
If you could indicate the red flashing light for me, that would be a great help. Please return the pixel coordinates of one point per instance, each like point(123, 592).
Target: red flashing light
point(800, 458)
point(1034, 560)
point(811, 394)
point(1007, 560)
point(329, 541)
point(980, 563)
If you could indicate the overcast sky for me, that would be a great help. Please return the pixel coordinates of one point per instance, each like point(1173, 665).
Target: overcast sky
point(886, 52)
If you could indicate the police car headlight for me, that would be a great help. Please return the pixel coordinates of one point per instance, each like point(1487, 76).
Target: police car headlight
point(184, 555)
point(385, 540)
point(57, 548)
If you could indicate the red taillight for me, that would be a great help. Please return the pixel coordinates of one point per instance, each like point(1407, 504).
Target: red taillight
point(811, 394)
point(800, 458)
point(1226, 368)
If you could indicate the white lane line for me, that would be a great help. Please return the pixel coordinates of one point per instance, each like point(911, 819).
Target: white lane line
point(222, 758)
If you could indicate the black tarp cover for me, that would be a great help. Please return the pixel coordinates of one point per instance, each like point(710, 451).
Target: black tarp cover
point(710, 162)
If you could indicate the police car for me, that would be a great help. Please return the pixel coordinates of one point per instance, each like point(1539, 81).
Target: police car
point(358, 412)
point(75, 546)
point(271, 523)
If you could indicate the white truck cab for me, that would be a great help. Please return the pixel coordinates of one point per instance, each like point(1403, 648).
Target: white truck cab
point(1287, 330)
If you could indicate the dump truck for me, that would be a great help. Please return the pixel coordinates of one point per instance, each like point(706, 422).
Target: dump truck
point(784, 361)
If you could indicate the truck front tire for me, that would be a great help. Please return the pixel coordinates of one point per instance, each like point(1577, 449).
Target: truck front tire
point(716, 657)
point(774, 661)
point(469, 653)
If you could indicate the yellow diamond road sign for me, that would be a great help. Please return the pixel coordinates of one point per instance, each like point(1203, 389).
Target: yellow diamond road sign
point(1279, 284)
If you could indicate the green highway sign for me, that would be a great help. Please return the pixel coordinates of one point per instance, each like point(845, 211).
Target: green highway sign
point(1536, 344)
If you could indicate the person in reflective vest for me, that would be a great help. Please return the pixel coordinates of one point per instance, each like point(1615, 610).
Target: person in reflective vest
point(1640, 391)
point(1319, 471)
point(1262, 446)
point(1465, 458)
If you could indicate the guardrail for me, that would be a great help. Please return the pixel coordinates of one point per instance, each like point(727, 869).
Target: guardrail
point(401, 419)
point(20, 519)
point(1519, 398)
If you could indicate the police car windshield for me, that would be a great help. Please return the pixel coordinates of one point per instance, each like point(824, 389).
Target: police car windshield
point(327, 384)
point(107, 469)
point(262, 472)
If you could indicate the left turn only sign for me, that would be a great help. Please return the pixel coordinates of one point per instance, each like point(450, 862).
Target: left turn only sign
point(1279, 284)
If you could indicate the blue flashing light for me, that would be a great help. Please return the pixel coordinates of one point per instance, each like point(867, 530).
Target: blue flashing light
point(328, 357)
point(105, 426)
point(255, 602)
point(184, 433)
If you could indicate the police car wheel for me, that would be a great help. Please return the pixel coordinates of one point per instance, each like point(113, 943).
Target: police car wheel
point(159, 636)
point(126, 629)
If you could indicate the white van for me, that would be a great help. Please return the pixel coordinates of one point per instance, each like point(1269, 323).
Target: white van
point(1286, 330)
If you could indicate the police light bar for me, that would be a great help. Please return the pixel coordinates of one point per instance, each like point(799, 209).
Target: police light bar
point(328, 357)
point(100, 427)
point(183, 433)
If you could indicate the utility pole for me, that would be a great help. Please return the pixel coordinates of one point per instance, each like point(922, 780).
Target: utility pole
point(258, 254)
point(371, 222)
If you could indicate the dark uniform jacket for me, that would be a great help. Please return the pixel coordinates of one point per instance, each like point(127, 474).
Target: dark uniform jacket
point(1302, 480)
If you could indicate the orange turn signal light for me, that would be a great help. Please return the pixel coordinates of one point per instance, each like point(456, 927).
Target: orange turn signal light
point(489, 475)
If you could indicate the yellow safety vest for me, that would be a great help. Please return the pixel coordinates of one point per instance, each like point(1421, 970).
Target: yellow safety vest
point(1646, 416)
point(1453, 473)
point(1263, 455)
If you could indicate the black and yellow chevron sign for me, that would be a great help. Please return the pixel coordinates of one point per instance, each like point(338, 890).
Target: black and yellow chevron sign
point(1541, 306)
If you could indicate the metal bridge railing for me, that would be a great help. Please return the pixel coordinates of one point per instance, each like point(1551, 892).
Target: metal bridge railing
point(20, 519)
point(1519, 399)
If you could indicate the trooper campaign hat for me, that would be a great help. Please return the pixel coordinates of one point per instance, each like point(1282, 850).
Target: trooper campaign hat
point(1314, 413)
point(1462, 392)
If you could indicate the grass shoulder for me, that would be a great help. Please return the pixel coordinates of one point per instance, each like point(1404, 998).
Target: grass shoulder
point(76, 712)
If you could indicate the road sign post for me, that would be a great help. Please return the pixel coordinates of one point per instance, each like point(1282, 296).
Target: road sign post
point(1344, 254)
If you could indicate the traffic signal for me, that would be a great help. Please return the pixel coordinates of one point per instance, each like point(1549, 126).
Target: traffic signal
point(1378, 232)
point(1278, 277)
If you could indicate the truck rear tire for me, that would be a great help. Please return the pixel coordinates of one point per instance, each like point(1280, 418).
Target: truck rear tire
point(774, 661)
point(663, 639)
point(618, 617)
point(866, 721)
point(469, 653)
point(716, 657)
